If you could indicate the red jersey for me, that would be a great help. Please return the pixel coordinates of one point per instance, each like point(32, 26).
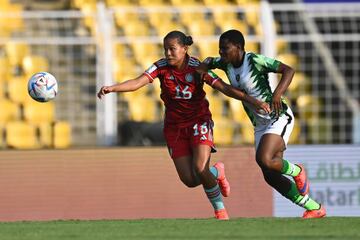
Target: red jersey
point(182, 91)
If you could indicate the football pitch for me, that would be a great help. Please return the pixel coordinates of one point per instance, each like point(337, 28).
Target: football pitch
point(240, 228)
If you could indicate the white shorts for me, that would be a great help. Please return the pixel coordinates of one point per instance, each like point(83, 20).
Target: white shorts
point(282, 126)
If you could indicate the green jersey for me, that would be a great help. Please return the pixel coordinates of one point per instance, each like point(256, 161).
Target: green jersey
point(252, 78)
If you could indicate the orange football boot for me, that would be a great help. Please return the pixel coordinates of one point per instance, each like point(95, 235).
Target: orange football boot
point(317, 213)
point(301, 181)
point(222, 181)
point(221, 214)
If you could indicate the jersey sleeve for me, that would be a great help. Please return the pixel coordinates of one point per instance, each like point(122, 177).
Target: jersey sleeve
point(153, 71)
point(214, 63)
point(266, 64)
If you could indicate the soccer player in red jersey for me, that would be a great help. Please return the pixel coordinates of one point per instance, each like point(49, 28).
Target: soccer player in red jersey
point(188, 125)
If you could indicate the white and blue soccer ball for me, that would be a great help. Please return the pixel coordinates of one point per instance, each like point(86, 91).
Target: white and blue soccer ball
point(42, 87)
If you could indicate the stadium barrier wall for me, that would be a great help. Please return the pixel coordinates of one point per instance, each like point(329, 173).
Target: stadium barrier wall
point(120, 183)
point(334, 175)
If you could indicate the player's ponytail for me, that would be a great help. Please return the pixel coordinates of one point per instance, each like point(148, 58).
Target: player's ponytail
point(181, 37)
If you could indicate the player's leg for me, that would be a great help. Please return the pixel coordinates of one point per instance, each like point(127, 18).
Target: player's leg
point(201, 157)
point(180, 151)
point(269, 156)
point(274, 137)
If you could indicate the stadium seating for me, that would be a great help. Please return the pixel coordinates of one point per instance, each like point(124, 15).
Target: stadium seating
point(62, 135)
point(308, 106)
point(10, 111)
point(5, 71)
point(17, 90)
point(21, 135)
point(39, 113)
point(144, 109)
point(32, 64)
point(223, 131)
point(15, 53)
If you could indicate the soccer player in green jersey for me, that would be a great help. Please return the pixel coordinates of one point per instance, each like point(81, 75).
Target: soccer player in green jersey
point(249, 72)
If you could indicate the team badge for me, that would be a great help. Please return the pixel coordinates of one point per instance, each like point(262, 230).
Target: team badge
point(189, 77)
point(171, 77)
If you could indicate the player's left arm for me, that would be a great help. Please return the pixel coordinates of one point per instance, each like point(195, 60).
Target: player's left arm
point(287, 73)
point(236, 93)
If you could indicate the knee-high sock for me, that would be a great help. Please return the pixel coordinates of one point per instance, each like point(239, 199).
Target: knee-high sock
point(289, 190)
point(215, 198)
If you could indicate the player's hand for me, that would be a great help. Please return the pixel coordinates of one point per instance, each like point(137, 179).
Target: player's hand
point(103, 90)
point(262, 107)
point(202, 68)
point(276, 104)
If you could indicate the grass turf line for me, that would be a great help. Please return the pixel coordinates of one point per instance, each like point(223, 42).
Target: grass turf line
point(240, 228)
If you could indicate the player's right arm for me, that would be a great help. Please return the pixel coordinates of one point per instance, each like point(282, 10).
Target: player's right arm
point(127, 86)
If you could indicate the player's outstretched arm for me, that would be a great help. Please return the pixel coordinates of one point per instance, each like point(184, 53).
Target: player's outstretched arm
point(127, 86)
point(230, 91)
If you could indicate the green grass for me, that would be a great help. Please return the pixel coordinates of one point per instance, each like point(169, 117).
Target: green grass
point(241, 228)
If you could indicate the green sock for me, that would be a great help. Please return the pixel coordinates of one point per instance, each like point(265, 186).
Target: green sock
point(290, 169)
point(303, 201)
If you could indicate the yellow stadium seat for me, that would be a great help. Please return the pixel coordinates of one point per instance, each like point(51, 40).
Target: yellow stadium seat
point(300, 84)
point(237, 111)
point(247, 133)
point(168, 26)
point(46, 134)
point(33, 64)
point(200, 27)
point(136, 28)
point(145, 49)
point(39, 113)
point(281, 45)
point(181, 3)
point(124, 69)
point(80, 3)
point(252, 47)
point(144, 108)
point(88, 8)
point(9, 111)
point(189, 17)
point(5, 72)
point(208, 49)
point(119, 3)
point(295, 137)
point(217, 3)
point(229, 24)
point(16, 52)
point(218, 105)
point(21, 135)
point(18, 90)
point(319, 130)
point(123, 17)
point(14, 23)
point(62, 135)
point(308, 106)
point(156, 19)
point(147, 3)
point(289, 59)
point(224, 130)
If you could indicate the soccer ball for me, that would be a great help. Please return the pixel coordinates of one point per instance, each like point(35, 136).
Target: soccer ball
point(42, 87)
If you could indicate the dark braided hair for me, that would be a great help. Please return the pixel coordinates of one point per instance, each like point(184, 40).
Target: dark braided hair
point(233, 36)
point(181, 37)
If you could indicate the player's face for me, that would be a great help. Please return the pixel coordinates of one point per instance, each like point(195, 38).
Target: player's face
point(229, 52)
point(174, 52)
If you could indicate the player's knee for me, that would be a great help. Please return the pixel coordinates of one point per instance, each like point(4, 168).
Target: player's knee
point(264, 161)
point(189, 182)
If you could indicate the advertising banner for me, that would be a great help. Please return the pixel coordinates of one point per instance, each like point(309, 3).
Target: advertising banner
point(334, 176)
